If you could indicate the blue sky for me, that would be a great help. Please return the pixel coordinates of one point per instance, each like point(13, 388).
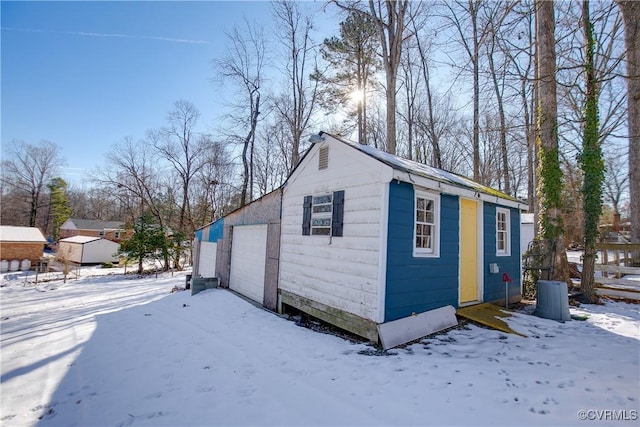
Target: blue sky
point(86, 74)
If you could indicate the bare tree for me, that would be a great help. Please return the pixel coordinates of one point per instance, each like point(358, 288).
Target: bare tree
point(27, 171)
point(616, 184)
point(242, 66)
point(184, 149)
point(429, 124)
point(296, 105)
point(133, 175)
point(631, 17)
point(213, 181)
point(473, 29)
point(498, 77)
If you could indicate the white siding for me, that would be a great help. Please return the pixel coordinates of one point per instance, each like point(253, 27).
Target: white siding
point(207, 259)
point(341, 272)
point(92, 252)
point(70, 252)
point(100, 251)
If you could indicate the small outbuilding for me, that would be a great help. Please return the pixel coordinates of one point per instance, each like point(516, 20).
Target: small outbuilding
point(242, 250)
point(88, 250)
point(20, 243)
point(370, 238)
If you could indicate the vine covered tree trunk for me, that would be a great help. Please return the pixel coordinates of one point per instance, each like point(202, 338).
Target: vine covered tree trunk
point(591, 163)
point(549, 187)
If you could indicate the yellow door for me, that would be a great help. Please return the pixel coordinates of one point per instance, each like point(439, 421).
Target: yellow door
point(468, 251)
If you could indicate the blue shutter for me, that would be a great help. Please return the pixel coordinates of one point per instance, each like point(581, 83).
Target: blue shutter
point(306, 216)
point(337, 216)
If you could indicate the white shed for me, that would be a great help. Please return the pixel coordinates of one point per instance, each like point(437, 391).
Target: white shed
point(88, 250)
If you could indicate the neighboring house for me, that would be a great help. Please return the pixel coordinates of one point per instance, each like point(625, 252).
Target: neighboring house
point(112, 230)
point(20, 243)
point(366, 238)
point(242, 250)
point(369, 237)
point(87, 250)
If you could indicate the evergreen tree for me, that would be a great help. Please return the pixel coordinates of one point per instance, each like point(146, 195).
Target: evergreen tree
point(59, 210)
point(353, 58)
point(147, 241)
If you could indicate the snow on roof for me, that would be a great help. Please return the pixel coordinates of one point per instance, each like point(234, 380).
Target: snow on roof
point(10, 233)
point(80, 239)
point(94, 224)
point(425, 171)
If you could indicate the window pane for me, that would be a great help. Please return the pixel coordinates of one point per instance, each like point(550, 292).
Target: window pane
point(429, 206)
point(320, 231)
point(501, 238)
point(322, 208)
point(321, 222)
point(322, 199)
point(429, 217)
point(420, 216)
point(420, 203)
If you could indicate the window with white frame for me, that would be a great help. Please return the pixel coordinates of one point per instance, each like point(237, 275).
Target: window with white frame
point(321, 213)
point(426, 231)
point(503, 236)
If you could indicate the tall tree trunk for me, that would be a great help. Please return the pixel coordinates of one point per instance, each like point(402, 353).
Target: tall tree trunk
point(431, 131)
point(631, 17)
point(503, 122)
point(550, 175)
point(391, 33)
point(473, 10)
point(592, 164)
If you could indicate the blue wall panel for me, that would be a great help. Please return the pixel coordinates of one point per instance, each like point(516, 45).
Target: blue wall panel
point(216, 230)
point(418, 284)
point(493, 285)
point(212, 232)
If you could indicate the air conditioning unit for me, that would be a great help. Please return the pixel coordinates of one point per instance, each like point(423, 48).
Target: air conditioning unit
point(552, 300)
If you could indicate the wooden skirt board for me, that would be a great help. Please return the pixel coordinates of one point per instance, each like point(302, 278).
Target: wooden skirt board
point(248, 258)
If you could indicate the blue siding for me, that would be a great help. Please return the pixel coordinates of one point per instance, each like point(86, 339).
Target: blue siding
point(216, 230)
point(415, 285)
point(212, 232)
point(493, 284)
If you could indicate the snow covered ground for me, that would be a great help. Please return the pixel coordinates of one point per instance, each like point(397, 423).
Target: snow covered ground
point(122, 350)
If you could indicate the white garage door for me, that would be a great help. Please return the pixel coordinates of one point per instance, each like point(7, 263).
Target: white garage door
point(248, 253)
point(207, 260)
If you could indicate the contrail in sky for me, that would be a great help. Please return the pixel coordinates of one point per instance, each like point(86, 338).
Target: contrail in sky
point(113, 35)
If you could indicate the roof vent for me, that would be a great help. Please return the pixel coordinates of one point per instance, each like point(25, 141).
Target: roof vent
point(323, 159)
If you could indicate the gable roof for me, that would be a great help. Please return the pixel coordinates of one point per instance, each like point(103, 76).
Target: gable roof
point(94, 224)
point(10, 233)
point(422, 170)
point(80, 239)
